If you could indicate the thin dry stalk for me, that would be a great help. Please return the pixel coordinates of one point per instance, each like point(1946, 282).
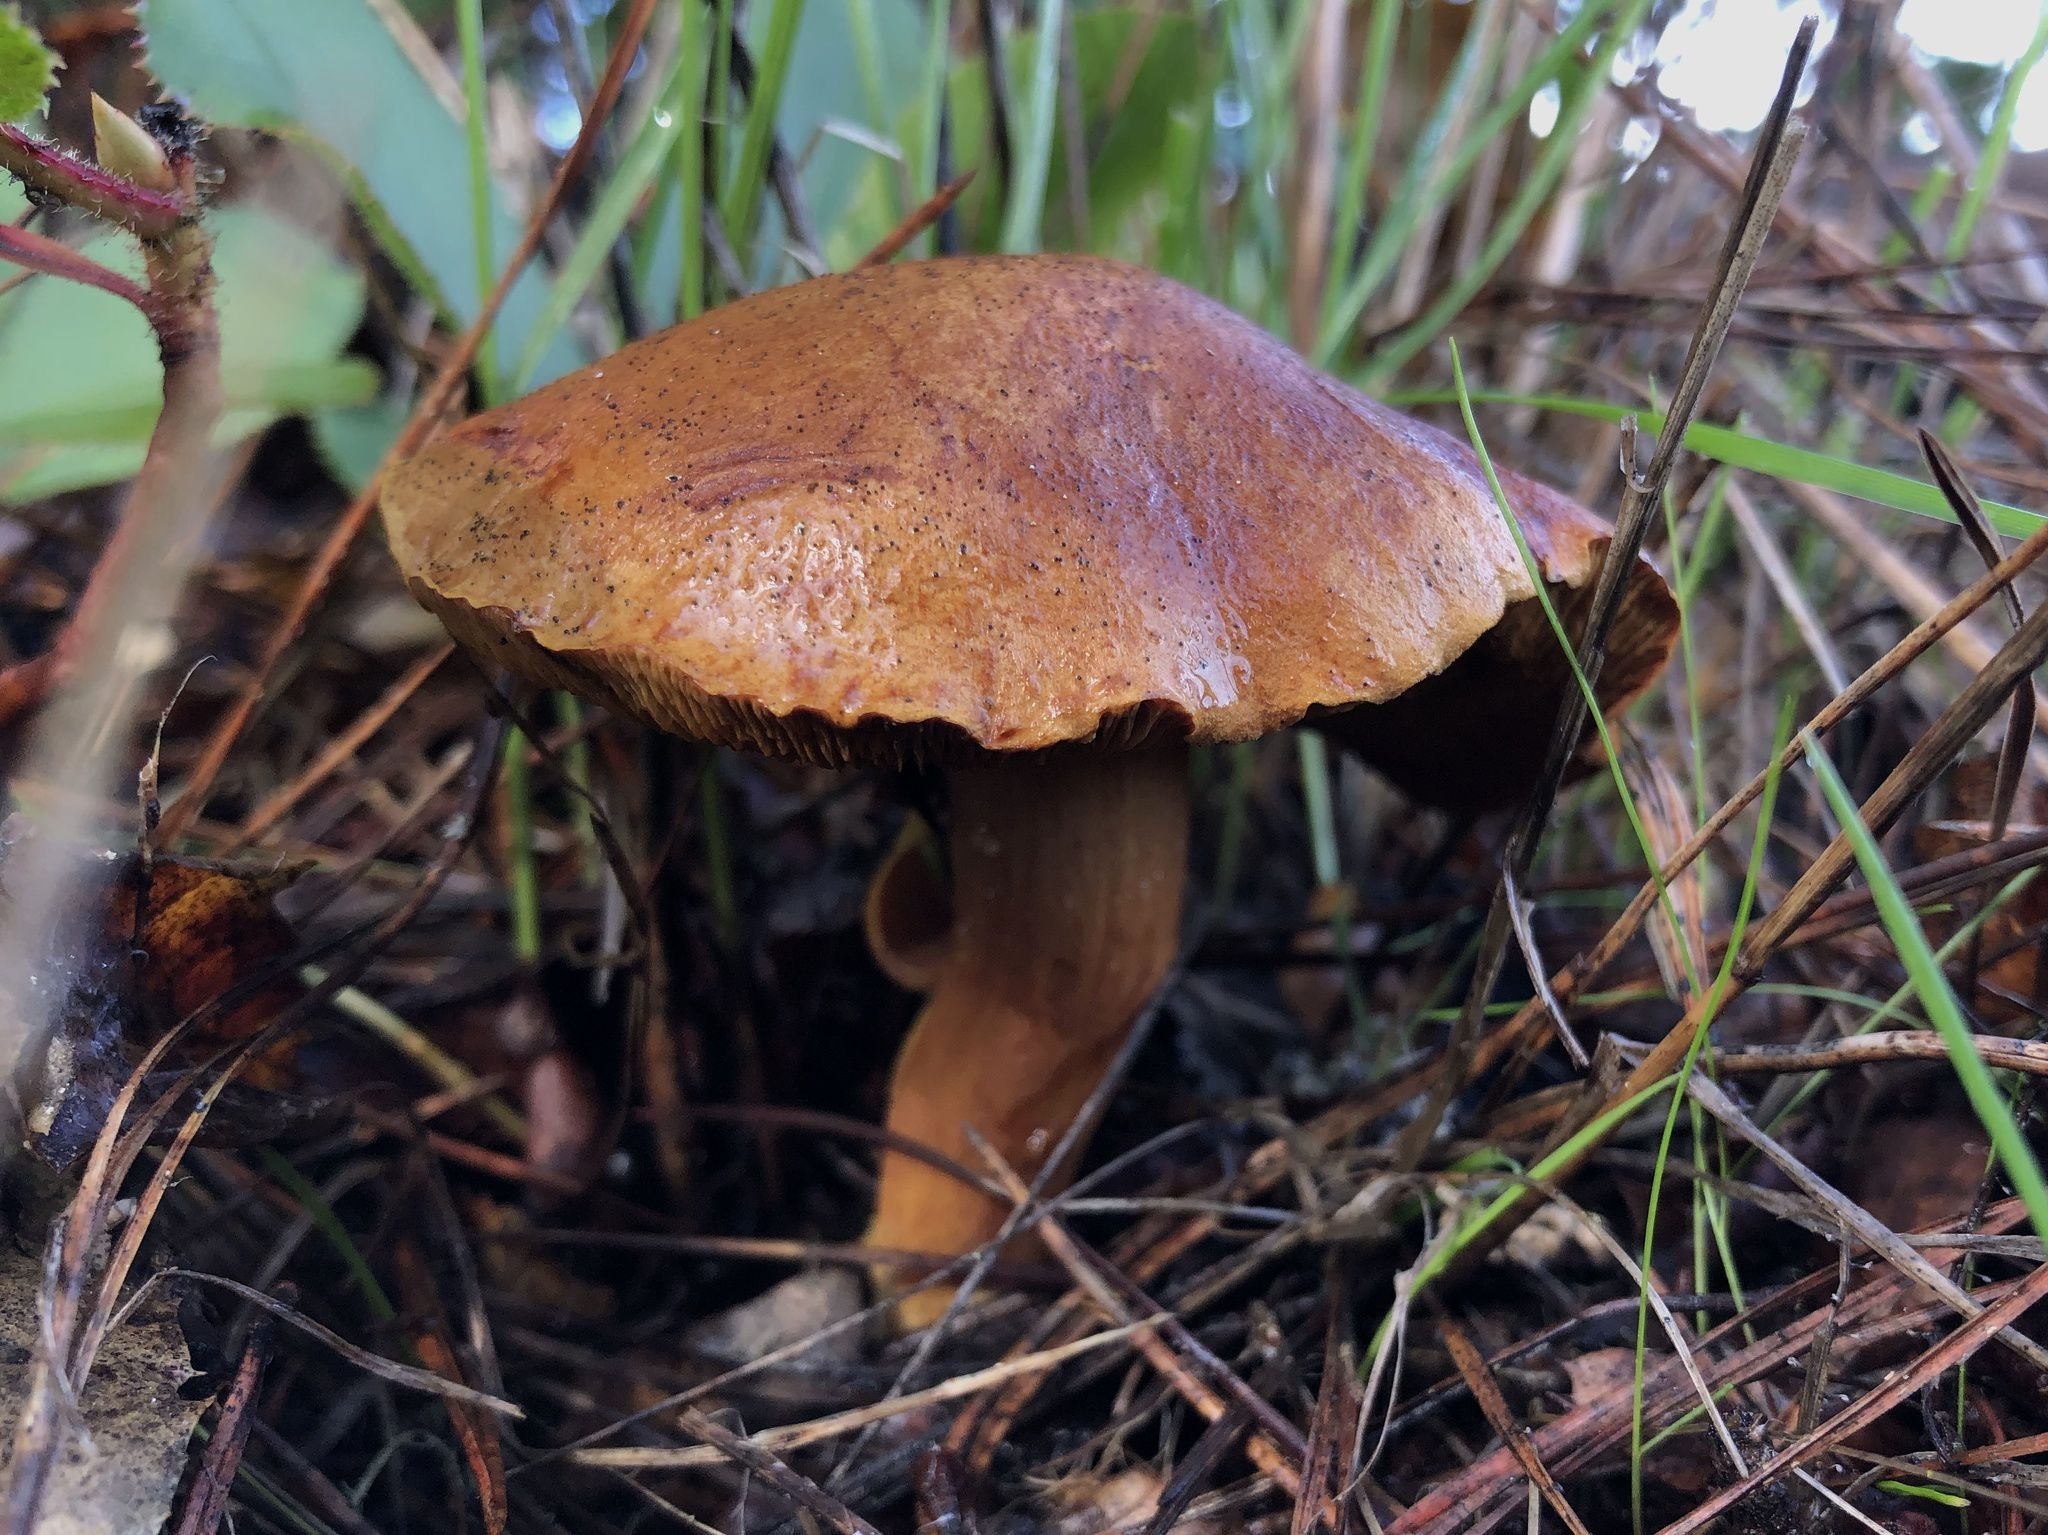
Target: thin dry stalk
point(1770, 171)
point(1899, 1386)
point(1479, 1380)
point(1585, 969)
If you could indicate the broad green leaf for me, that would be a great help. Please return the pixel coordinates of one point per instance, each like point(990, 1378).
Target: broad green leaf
point(334, 74)
point(27, 69)
point(80, 383)
point(353, 440)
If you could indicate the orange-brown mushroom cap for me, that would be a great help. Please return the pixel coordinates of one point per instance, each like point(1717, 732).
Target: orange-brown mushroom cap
point(996, 502)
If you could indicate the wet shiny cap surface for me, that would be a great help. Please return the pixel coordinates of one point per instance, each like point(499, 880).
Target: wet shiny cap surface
point(995, 503)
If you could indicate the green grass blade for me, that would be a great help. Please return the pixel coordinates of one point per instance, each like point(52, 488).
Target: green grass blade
point(1583, 88)
point(2008, 1141)
point(1419, 191)
point(1571, 656)
point(1997, 143)
point(469, 27)
point(692, 64)
point(1025, 214)
point(522, 874)
point(1741, 450)
point(1366, 115)
point(741, 203)
point(923, 149)
point(1744, 905)
point(631, 178)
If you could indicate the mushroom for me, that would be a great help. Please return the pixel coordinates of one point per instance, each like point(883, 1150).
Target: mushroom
point(1042, 523)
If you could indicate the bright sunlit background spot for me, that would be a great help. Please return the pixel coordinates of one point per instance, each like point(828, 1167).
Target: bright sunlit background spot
point(1995, 33)
point(1720, 58)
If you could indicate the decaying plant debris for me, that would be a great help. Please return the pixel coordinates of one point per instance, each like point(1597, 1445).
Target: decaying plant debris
point(465, 1104)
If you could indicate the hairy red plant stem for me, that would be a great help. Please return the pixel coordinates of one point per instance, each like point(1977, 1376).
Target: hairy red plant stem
point(39, 253)
point(56, 173)
point(178, 303)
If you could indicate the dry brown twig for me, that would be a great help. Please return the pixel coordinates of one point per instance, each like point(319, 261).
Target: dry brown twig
point(1276, 1447)
point(206, 1495)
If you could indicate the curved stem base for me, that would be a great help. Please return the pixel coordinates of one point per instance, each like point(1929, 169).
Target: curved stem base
point(1067, 874)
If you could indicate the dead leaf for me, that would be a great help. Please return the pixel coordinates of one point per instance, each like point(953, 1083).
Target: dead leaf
point(1918, 1171)
point(786, 1313)
point(111, 991)
point(204, 930)
point(1088, 1504)
point(1598, 1373)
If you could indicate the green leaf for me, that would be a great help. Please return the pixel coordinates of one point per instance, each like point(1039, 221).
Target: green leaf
point(28, 70)
point(80, 383)
point(352, 441)
point(335, 74)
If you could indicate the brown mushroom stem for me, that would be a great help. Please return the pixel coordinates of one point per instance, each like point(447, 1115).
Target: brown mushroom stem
point(1067, 874)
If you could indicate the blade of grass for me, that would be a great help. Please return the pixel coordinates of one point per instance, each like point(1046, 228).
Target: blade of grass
point(1582, 87)
point(1997, 143)
point(2008, 1141)
point(607, 220)
point(1745, 904)
point(522, 875)
point(1743, 450)
point(1420, 189)
point(1239, 760)
point(693, 64)
point(1025, 215)
point(719, 110)
point(469, 27)
point(1366, 120)
point(1594, 715)
point(1319, 804)
point(329, 1225)
point(1778, 1106)
point(923, 148)
point(741, 203)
